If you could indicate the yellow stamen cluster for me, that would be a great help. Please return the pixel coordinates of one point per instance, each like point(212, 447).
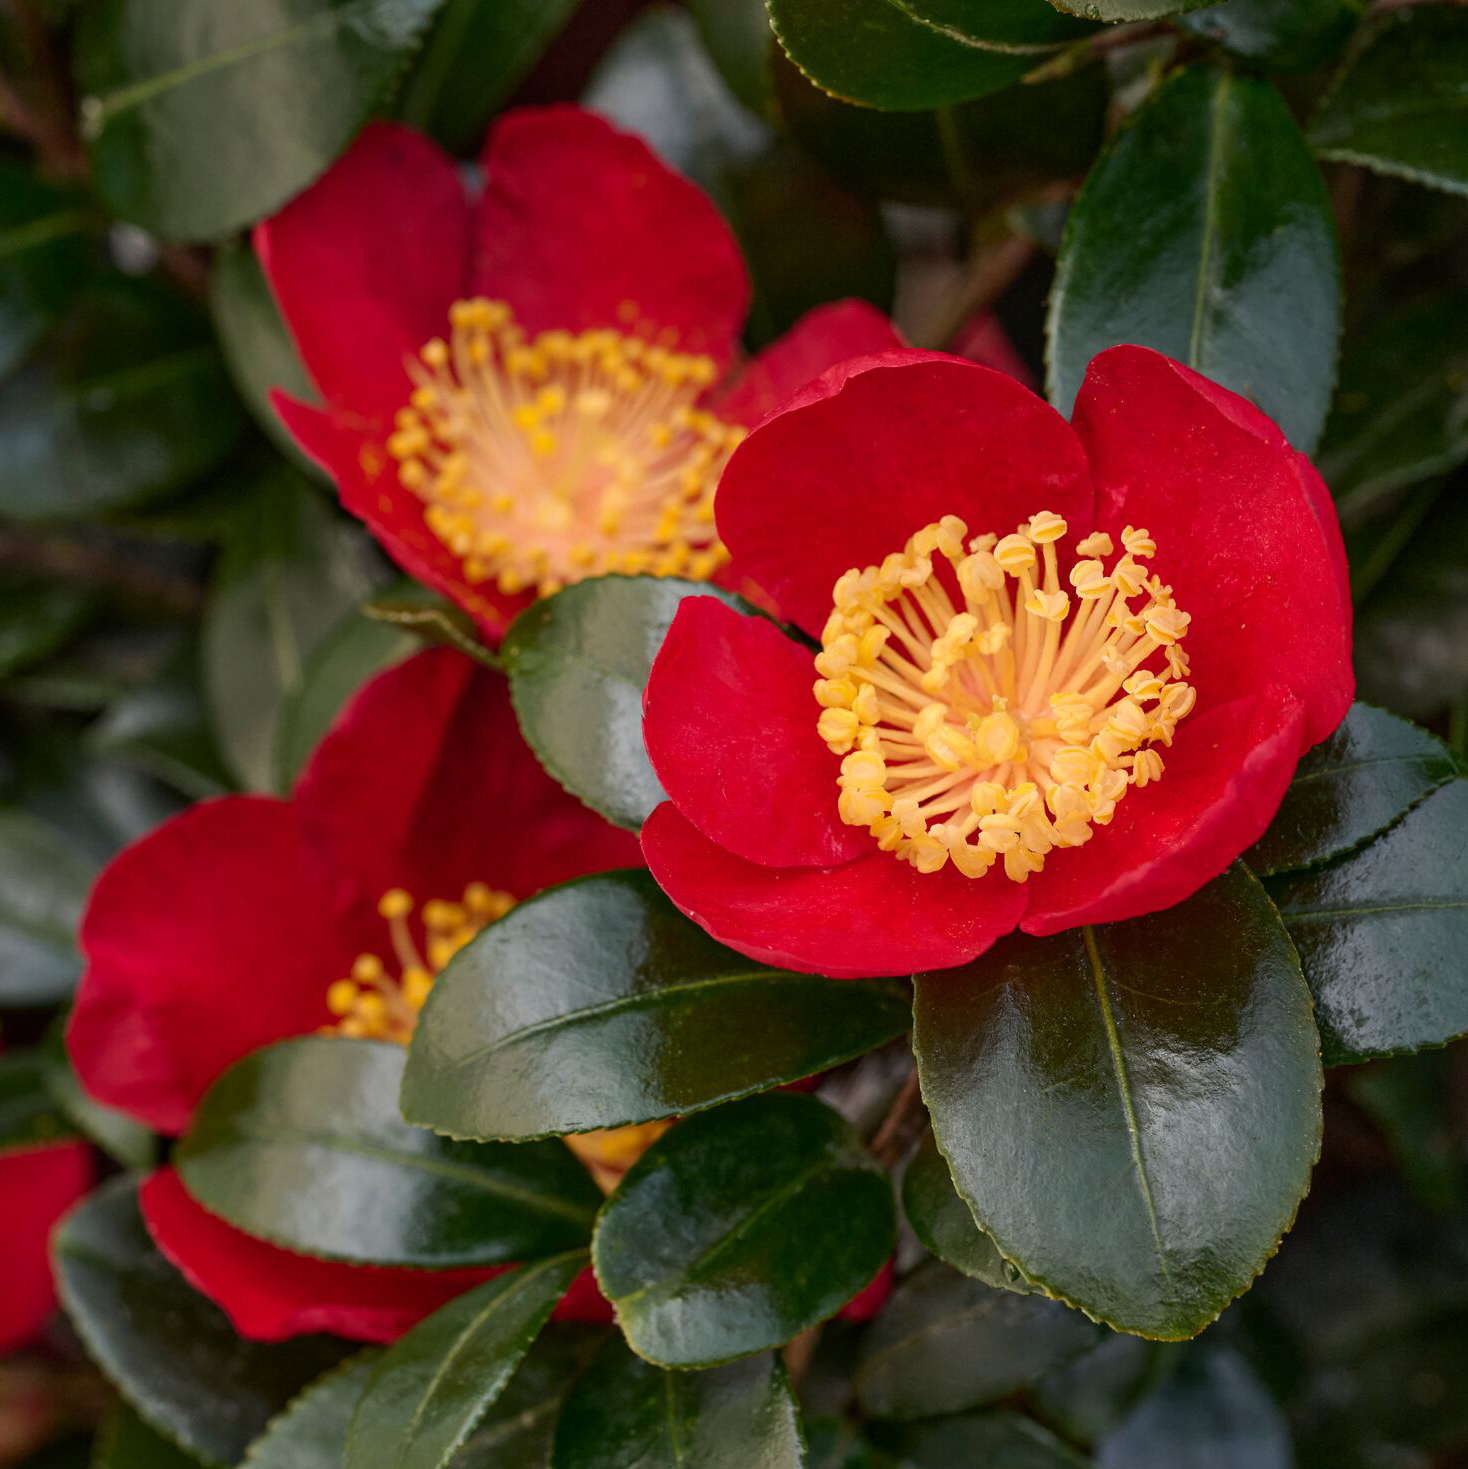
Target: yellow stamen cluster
point(542, 460)
point(987, 712)
point(373, 1003)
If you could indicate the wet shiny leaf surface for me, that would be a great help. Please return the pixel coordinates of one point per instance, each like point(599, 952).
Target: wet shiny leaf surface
point(46, 877)
point(627, 1414)
point(1291, 35)
point(1381, 934)
point(1179, 242)
point(597, 1004)
point(301, 1143)
point(740, 1228)
point(1180, 1080)
point(1370, 772)
point(312, 1432)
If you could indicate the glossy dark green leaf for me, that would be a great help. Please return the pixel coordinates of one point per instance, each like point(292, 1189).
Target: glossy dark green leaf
point(431, 1387)
point(38, 618)
point(355, 650)
point(945, 1225)
point(834, 1443)
point(126, 1442)
point(578, 662)
point(204, 118)
point(627, 1414)
point(171, 1353)
point(28, 1112)
point(1211, 1410)
point(1178, 241)
point(44, 881)
point(737, 36)
point(289, 574)
point(301, 1143)
point(1286, 35)
point(998, 25)
point(257, 347)
point(1411, 1100)
point(995, 1440)
point(1110, 10)
point(945, 1343)
point(475, 56)
point(1381, 934)
point(124, 1140)
point(597, 1004)
point(1412, 631)
point(1131, 1111)
point(1370, 772)
point(1401, 409)
point(1086, 1398)
point(1399, 105)
point(43, 257)
point(870, 51)
point(125, 402)
point(312, 1432)
point(430, 619)
point(740, 1228)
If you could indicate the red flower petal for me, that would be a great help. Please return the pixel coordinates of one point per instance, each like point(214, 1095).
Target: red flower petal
point(269, 1293)
point(581, 226)
point(867, 1303)
point(875, 449)
point(369, 487)
point(366, 263)
point(1226, 774)
point(209, 937)
point(1246, 538)
point(730, 725)
point(584, 1301)
point(37, 1186)
point(819, 340)
point(426, 783)
point(872, 917)
point(983, 340)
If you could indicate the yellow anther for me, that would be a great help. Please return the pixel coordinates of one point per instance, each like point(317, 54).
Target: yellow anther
point(950, 749)
point(838, 728)
point(997, 738)
point(1138, 542)
point(1089, 580)
point(341, 997)
point(395, 903)
point(835, 693)
point(1051, 606)
point(1015, 553)
point(1098, 543)
point(1146, 767)
point(435, 352)
point(1166, 624)
point(1046, 527)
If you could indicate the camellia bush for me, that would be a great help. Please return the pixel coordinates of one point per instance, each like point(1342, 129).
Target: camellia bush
point(732, 737)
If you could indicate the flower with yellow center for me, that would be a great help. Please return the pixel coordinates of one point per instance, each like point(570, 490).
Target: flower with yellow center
point(985, 710)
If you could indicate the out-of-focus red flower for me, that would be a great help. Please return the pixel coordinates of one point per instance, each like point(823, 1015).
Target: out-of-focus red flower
point(38, 1184)
point(1067, 670)
point(539, 383)
point(249, 919)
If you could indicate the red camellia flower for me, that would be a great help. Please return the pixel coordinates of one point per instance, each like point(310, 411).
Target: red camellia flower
point(539, 384)
point(249, 919)
point(1065, 672)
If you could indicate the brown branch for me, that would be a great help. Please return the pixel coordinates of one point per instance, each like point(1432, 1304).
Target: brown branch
point(991, 272)
point(47, 119)
point(902, 1124)
point(60, 556)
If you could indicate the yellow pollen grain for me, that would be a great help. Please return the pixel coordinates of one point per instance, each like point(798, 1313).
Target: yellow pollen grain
point(543, 460)
point(986, 714)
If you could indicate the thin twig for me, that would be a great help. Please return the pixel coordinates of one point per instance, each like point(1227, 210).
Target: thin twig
point(901, 1125)
point(992, 270)
point(60, 556)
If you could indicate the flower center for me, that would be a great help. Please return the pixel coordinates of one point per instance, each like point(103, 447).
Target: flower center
point(1009, 724)
point(375, 1004)
point(543, 460)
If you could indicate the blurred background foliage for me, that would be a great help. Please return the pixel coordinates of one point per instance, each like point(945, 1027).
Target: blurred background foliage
point(180, 595)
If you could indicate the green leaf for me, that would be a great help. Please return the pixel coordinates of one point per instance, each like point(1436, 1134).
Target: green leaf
point(998, 25)
point(597, 1004)
point(301, 1142)
point(257, 348)
point(833, 1443)
point(126, 1442)
point(171, 1353)
point(1085, 1398)
point(740, 1228)
point(1368, 774)
point(627, 1414)
point(1399, 105)
point(124, 1140)
point(945, 1343)
point(476, 55)
point(44, 254)
point(737, 36)
point(1382, 932)
point(430, 619)
point(44, 881)
point(1134, 1131)
point(125, 402)
point(870, 51)
point(1285, 35)
point(1410, 1099)
point(38, 618)
point(995, 1440)
point(1178, 241)
point(945, 1225)
point(578, 662)
point(354, 651)
point(1211, 1410)
point(28, 1112)
point(202, 119)
point(291, 571)
point(1110, 10)
point(312, 1432)
point(1401, 410)
point(432, 1386)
